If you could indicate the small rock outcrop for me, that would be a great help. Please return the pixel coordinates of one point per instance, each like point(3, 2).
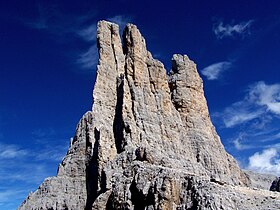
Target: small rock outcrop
point(275, 185)
point(148, 142)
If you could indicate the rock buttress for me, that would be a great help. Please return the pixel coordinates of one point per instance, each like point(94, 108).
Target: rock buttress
point(68, 189)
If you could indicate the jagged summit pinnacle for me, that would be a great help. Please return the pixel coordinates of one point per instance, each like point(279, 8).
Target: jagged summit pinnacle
point(148, 142)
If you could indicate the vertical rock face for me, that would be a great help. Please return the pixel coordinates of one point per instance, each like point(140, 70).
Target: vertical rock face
point(148, 142)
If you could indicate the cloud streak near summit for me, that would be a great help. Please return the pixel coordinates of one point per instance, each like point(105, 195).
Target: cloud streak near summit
point(259, 101)
point(214, 71)
point(222, 30)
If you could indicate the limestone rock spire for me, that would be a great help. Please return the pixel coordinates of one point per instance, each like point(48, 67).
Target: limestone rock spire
point(148, 142)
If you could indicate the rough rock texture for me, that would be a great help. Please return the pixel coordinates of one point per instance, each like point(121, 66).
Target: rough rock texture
point(275, 185)
point(261, 181)
point(148, 142)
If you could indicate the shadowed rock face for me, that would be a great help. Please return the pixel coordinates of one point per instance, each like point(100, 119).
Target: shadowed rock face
point(275, 185)
point(148, 142)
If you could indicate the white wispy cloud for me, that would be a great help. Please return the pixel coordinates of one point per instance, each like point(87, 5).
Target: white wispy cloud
point(222, 30)
point(238, 143)
point(252, 138)
point(53, 153)
point(266, 161)
point(89, 59)
point(58, 24)
point(45, 153)
point(7, 194)
point(257, 114)
point(18, 177)
point(214, 71)
point(89, 33)
point(22, 170)
point(239, 112)
point(260, 101)
point(271, 137)
point(53, 21)
point(267, 96)
point(11, 151)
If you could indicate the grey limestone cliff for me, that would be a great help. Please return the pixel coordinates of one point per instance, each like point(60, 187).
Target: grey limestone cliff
point(148, 142)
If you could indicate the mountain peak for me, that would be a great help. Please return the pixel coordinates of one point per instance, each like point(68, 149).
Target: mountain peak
point(148, 142)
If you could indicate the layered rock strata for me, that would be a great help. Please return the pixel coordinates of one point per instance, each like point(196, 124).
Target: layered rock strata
point(148, 142)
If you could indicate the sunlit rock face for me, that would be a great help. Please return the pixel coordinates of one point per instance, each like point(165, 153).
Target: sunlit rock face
point(148, 142)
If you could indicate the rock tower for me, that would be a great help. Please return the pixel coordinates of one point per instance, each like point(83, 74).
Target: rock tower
point(148, 142)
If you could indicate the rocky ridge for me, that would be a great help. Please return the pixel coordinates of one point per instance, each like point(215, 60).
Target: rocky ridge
point(148, 142)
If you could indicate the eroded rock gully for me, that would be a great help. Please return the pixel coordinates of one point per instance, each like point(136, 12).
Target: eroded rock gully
point(148, 142)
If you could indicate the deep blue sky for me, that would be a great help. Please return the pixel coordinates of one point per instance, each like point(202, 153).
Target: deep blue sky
point(47, 72)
